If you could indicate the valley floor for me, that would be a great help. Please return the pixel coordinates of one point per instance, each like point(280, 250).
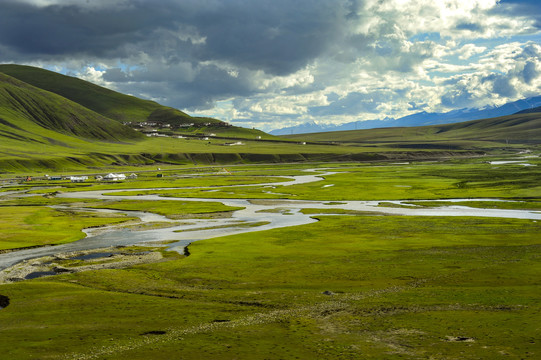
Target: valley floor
point(355, 284)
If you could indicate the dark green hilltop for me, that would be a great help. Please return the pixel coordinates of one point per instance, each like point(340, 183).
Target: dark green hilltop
point(22, 106)
point(106, 102)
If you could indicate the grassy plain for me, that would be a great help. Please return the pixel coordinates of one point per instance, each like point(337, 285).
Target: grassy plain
point(346, 287)
point(24, 226)
point(172, 209)
point(454, 179)
point(518, 129)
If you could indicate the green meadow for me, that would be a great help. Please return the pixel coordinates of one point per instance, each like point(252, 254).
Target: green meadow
point(453, 179)
point(349, 286)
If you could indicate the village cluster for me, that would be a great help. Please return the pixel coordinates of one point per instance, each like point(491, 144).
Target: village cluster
point(79, 179)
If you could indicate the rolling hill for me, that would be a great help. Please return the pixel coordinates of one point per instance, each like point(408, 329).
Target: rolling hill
point(521, 128)
point(532, 110)
point(42, 130)
point(31, 114)
point(109, 103)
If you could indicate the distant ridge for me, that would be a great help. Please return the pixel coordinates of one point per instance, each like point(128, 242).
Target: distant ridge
point(419, 119)
point(524, 128)
point(532, 110)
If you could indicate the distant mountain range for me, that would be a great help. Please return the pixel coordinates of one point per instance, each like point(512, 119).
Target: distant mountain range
point(531, 104)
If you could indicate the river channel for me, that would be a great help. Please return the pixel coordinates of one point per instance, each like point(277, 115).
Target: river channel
point(256, 215)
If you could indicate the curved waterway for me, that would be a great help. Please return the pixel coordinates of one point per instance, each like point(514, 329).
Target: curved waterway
point(256, 215)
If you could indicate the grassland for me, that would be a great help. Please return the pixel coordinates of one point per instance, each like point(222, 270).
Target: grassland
point(50, 123)
point(387, 287)
point(419, 180)
point(55, 123)
point(171, 209)
point(349, 286)
point(26, 226)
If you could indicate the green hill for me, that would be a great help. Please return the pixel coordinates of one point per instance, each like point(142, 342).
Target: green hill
point(31, 114)
point(121, 107)
point(45, 131)
point(106, 102)
point(516, 129)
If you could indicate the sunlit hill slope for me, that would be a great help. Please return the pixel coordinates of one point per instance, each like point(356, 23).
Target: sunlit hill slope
point(521, 128)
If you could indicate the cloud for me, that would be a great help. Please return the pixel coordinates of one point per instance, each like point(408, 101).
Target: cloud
point(518, 76)
point(286, 61)
point(468, 50)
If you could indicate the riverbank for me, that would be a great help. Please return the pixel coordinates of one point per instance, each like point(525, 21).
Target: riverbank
point(78, 261)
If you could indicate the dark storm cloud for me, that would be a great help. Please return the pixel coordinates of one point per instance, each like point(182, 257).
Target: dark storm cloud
point(196, 87)
point(529, 8)
point(65, 31)
point(175, 45)
point(278, 37)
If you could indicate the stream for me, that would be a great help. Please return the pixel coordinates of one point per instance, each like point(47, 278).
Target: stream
point(257, 215)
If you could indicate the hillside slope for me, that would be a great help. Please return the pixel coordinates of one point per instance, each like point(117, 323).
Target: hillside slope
point(31, 114)
point(106, 102)
point(517, 128)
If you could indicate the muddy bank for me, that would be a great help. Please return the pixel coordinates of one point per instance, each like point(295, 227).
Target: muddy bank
point(72, 262)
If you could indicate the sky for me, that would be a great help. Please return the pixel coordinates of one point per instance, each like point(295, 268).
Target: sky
point(271, 64)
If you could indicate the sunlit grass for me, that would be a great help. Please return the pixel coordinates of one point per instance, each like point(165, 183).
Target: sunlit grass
point(24, 226)
point(346, 287)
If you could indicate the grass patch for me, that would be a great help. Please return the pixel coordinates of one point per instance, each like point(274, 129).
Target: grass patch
point(24, 226)
point(170, 208)
point(510, 205)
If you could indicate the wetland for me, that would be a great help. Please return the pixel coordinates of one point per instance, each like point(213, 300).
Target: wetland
point(345, 261)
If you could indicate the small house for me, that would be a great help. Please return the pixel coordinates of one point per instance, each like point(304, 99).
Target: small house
point(114, 177)
point(78, 179)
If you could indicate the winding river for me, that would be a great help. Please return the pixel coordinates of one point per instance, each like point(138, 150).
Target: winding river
point(256, 215)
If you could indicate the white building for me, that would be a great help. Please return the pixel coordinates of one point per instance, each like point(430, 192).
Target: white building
point(78, 179)
point(114, 177)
